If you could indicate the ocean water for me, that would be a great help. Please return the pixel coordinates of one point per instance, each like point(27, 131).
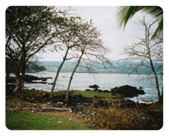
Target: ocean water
point(81, 81)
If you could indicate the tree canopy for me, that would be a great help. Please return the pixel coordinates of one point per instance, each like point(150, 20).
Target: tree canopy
point(28, 30)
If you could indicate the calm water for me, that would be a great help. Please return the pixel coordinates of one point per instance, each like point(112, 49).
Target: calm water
point(81, 81)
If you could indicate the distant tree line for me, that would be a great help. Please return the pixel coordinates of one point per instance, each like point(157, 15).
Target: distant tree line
point(97, 67)
point(35, 67)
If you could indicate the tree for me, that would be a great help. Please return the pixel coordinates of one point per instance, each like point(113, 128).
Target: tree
point(9, 69)
point(90, 47)
point(67, 40)
point(127, 12)
point(28, 30)
point(35, 67)
point(148, 52)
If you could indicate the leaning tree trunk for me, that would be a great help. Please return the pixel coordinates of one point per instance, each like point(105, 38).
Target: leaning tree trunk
point(156, 80)
point(71, 77)
point(57, 74)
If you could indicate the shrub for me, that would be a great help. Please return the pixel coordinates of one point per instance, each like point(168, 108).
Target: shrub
point(125, 119)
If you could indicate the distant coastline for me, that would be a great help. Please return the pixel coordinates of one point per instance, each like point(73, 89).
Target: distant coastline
point(118, 68)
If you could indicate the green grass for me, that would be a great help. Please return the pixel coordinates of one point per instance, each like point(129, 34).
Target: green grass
point(88, 94)
point(92, 94)
point(37, 92)
point(31, 121)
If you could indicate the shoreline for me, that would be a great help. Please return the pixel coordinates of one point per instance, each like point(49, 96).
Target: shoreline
point(78, 85)
point(94, 73)
point(94, 111)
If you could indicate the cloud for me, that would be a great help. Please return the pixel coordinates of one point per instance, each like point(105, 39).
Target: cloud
point(105, 19)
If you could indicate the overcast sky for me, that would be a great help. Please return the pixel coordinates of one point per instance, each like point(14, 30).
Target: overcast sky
point(113, 36)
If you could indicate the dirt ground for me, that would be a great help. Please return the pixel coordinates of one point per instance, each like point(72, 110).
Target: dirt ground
point(16, 104)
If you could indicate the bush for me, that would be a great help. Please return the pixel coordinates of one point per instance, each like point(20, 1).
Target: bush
point(126, 119)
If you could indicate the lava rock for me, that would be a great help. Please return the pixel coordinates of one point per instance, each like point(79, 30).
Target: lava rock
point(127, 91)
point(29, 78)
point(95, 87)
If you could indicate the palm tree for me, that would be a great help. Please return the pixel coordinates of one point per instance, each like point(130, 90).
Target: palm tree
point(127, 12)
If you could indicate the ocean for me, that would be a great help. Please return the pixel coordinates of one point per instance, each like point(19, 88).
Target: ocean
point(105, 81)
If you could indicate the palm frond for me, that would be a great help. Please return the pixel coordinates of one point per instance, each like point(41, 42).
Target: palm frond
point(127, 12)
point(154, 11)
point(158, 29)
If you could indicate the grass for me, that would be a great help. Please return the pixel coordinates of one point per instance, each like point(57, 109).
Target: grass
point(31, 121)
point(37, 92)
point(88, 94)
point(30, 92)
point(92, 94)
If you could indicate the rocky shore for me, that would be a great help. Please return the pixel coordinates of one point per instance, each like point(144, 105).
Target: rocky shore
point(30, 79)
point(89, 108)
point(124, 91)
point(80, 103)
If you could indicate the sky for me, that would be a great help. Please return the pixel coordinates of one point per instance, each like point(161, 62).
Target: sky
point(113, 36)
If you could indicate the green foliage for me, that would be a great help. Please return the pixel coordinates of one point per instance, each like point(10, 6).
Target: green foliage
point(31, 121)
point(21, 20)
point(29, 29)
point(35, 67)
point(127, 12)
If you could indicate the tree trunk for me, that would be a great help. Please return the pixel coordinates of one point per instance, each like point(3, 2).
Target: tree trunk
point(71, 77)
point(20, 78)
point(57, 74)
point(19, 85)
point(147, 40)
point(156, 79)
point(7, 79)
point(161, 98)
